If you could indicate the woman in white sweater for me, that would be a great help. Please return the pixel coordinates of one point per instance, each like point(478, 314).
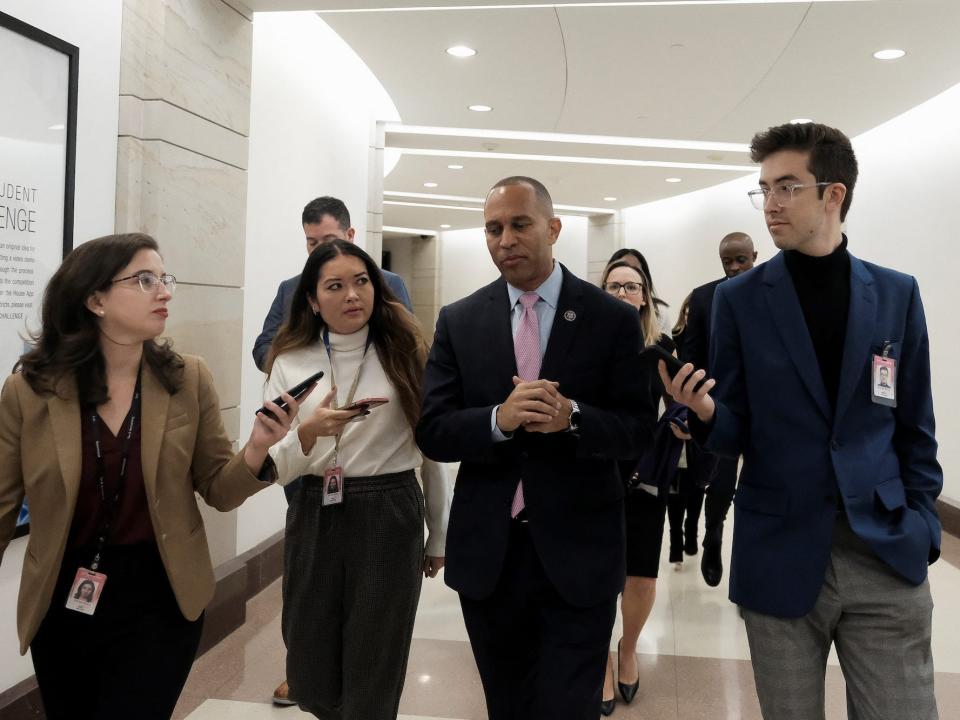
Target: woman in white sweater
point(354, 545)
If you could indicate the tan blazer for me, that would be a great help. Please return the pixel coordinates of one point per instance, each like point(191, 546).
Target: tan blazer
point(184, 450)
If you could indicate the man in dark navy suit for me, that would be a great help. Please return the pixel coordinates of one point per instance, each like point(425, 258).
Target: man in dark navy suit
point(534, 385)
point(835, 521)
point(737, 255)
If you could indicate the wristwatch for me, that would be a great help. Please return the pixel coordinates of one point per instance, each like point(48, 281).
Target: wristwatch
point(574, 426)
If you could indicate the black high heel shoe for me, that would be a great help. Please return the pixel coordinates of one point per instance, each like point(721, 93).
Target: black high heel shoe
point(627, 691)
point(607, 706)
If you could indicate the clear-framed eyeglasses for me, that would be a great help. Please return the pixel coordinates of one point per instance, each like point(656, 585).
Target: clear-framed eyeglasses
point(150, 281)
point(630, 288)
point(782, 193)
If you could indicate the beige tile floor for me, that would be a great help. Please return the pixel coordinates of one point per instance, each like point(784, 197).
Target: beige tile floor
point(694, 660)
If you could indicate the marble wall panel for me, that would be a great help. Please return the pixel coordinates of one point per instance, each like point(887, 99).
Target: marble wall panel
point(206, 321)
point(194, 206)
point(159, 120)
point(195, 54)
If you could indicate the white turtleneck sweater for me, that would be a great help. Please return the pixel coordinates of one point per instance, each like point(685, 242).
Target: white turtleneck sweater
point(380, 443)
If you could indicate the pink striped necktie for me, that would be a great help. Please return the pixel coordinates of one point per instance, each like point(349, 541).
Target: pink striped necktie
point(526, 346)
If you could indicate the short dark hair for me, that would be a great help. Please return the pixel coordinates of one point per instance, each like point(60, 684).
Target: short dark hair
point(543, 195)
point(314, 211)
point(831, 155)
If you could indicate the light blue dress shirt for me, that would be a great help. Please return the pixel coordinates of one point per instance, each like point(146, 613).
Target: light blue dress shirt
point(546, 309)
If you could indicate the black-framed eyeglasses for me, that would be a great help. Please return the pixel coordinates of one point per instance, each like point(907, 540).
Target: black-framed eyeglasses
point(630, 288)
point(149, 281)
point(782, 193)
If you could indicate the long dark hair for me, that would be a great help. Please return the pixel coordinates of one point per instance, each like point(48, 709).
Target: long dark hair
point(68, 344)
point(394, 331)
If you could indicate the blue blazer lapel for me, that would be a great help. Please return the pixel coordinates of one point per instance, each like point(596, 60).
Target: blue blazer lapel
point(781, 297)
point(569, 305)
point(861, 319)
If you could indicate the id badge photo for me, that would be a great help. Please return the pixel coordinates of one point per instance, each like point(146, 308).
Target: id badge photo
point(884, 380)
point(85, 591)
point(333, 486)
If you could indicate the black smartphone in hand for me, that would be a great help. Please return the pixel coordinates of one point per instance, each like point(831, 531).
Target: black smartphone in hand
point(297, 391)
point(654, 353)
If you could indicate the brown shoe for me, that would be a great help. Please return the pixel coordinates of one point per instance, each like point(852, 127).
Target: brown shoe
point(281, 696)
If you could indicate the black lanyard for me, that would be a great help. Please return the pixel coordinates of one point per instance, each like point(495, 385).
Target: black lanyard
point(109, 504)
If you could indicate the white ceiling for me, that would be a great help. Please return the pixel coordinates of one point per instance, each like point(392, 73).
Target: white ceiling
point(696, 71)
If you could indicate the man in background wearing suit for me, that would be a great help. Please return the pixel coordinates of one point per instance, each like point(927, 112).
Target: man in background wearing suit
point(835, 517)
point(324, 219)
point(737, 256)
point(535, 386)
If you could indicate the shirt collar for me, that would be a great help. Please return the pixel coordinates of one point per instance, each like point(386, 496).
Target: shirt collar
point(549, 290)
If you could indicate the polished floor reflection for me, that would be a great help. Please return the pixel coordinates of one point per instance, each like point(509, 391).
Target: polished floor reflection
point(694, 660)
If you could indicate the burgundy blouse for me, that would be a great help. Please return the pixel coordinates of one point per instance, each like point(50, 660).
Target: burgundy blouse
point(132, 518)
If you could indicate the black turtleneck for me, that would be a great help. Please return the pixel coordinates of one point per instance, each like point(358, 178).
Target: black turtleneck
point(823, 287)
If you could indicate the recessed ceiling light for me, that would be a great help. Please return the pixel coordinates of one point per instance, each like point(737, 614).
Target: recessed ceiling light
point(610, 199)
point(674, 180)
point(429, 184)
point(444, 227)
point(891, 54)
point(801, 121)
point(455, 167)
point(481, 108)
point(461, 51)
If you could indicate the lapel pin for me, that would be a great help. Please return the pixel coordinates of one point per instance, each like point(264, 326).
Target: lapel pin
point(569, 316)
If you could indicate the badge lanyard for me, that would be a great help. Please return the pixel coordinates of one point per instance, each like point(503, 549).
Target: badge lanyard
point(333, 476)
point(110, 504)
point(88, 583)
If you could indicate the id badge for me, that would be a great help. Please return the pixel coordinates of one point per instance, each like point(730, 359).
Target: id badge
point(85, 591)
point(333, 486)
point(884, 381)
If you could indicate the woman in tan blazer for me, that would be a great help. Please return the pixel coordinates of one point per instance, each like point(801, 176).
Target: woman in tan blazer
point(108, 434)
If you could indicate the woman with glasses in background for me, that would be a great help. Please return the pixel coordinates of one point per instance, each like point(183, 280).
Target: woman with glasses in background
point(645, 507)
point(635, 258)
point(109, 434)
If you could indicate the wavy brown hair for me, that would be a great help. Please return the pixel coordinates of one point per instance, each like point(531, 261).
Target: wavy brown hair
point(394, 331)
point(68, 343)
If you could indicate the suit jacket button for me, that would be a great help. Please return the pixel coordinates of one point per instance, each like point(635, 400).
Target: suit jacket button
point(835, 445)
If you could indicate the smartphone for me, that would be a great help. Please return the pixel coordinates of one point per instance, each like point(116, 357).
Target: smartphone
point(366, 403)
point(680, 425)
point(654, 353)
point(297, 391)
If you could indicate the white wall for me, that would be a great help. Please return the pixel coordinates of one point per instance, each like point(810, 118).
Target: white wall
point(94, 27)
point(465, 264)
point(902, 216)
point(313, 107)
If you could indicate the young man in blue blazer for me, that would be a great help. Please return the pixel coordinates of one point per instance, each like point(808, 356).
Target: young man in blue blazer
point(835, 522)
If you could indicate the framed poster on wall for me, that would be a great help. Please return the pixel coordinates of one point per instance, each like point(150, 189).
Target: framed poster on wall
point(38, 133)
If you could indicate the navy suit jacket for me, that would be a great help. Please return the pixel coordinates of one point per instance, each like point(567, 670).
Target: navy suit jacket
point(696, 335)
point(798, 453)
point(572, 488)
point(280, 309)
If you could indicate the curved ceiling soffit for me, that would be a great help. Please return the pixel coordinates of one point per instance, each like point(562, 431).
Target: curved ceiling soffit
point(767, 73)
point(566, 69)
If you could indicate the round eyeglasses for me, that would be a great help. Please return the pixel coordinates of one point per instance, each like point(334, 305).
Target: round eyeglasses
point(630, 288)
point(782, 193)
point(150, 281)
